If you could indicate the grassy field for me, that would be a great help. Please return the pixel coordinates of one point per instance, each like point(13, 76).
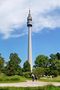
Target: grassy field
point(8, 79)
point(16, 78)
point(49, 79)
point(32, 88)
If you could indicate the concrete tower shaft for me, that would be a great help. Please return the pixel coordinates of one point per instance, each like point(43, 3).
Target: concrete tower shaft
point(29, 25)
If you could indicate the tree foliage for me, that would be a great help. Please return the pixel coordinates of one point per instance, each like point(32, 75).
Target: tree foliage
point(41, 61)
point(13, 66)
point(50, 64)
point(39, 71)
point(44, 65)
point(1, 63)
point(26, 67)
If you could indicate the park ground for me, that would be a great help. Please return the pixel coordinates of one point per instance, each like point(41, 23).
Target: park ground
point(22, 83)
point(19, 81)
point(29, 84)
point(16, 78)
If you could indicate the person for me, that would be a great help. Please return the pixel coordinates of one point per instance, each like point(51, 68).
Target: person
point(36, 77)
point(33, 77)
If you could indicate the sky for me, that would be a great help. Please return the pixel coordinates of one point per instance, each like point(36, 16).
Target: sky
point(14, 31)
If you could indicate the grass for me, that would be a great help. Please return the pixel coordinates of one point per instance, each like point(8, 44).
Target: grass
point(31, 88)
point(16, 78)
point(11, 79)
point(49, 79)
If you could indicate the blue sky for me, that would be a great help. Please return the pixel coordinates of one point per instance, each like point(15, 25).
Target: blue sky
point(14, 32)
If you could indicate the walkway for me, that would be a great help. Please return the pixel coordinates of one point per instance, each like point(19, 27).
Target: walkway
point(29, 84)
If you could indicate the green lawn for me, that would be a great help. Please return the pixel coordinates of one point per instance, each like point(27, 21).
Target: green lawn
point(16, 78)
point(32, 88)
point(47, 79)
point(12, 79)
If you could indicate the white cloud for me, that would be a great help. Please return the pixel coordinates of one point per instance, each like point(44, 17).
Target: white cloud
point(13, 14)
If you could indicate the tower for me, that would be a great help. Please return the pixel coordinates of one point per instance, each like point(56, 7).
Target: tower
point(29, 25)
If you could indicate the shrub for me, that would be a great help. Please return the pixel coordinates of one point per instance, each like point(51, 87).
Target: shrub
point(39, 71)
point(27, 74)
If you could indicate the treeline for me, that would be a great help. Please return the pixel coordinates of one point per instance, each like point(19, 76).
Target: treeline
point(43, 66)
point(47, 66)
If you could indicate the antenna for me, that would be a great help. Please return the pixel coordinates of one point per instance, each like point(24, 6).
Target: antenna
point(29, 11)
point(29, 6)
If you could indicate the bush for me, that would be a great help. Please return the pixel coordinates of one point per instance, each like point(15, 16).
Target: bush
point(39, 71)
point(55, 73)
point(15, 78)
point(27, 74)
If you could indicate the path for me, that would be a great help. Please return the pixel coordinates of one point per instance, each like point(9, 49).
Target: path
point(29, 84)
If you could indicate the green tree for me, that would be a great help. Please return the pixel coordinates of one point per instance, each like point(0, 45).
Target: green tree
point(58, 55)
point(54, 65)
point(39, 71)
point(53, 56)
point(51, 65)
point(26, 67)
point(57, 66)
point(41, 61)
point(1, 63)
point(13, 66)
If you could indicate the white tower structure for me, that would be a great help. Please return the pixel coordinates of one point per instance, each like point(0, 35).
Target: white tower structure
point(29, 25)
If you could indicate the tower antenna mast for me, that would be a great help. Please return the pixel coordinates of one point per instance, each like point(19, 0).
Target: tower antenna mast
point(29, 25)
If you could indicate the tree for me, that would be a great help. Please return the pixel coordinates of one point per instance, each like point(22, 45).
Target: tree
point(26, 67)
point(53, 56)
point(57, 66)
point(1, 63)
point(58, 55)
point(39, 71)
point(54, 64)
point(41, 61)
point(13, 66)
point(51, 65)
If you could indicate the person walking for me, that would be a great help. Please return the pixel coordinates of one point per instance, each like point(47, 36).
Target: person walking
point(36, 77)
point(33, 77)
